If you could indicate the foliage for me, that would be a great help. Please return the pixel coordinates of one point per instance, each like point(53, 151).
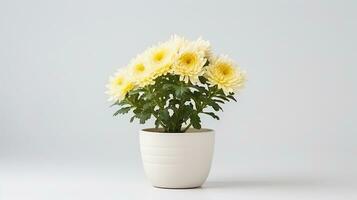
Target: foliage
point(174, 103)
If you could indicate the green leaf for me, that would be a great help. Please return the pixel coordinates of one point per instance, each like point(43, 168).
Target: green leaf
point(218, 101)
point(168, 86)
point(147, 96)
point(122, 103)
point(207, 63)
point(186, 111)
point(122, 111)
point(137, 111)
point(222, 97)
point(212, 115)
point(148, 107)
point(202, 79)
point(164, 115)
point(143, 117)
point(132, 118)
point(215, 105)
point(232, 97)
point(202, 90)
point(195, 121)
point(180, 90)
point(137, 91)
point(198, 98)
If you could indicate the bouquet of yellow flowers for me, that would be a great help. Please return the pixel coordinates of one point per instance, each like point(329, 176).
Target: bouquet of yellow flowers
point(175, 82)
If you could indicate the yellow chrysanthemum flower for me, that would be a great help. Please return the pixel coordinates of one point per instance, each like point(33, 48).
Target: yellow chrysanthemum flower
point(140, 72)
point(203, 45)
point(223, 73)
point(176, 42)
point(119, 86)
point(189, 64)
point(160, 58)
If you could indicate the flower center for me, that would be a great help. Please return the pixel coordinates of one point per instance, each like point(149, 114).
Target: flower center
point(119, 80)
point(139, 68)
point(225, 70)
point(158, 56)
point(127, 87)
point(188, 59)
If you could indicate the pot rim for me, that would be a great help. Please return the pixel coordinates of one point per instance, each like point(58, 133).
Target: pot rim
point(190, 130)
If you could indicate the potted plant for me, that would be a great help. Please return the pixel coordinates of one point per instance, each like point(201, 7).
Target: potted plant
point(176, 82)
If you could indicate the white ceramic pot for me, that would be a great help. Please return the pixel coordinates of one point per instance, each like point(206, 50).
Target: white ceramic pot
point(177, 160)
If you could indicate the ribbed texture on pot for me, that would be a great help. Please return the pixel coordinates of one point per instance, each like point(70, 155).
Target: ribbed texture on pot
point(177, 160)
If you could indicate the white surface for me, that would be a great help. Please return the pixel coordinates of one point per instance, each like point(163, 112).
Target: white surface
point(44, 182)
point(177, 160)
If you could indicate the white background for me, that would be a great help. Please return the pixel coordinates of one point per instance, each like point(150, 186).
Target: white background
point(291, 135)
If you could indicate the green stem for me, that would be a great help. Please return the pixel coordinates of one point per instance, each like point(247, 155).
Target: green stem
point(160, 122)
point(187, 127)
